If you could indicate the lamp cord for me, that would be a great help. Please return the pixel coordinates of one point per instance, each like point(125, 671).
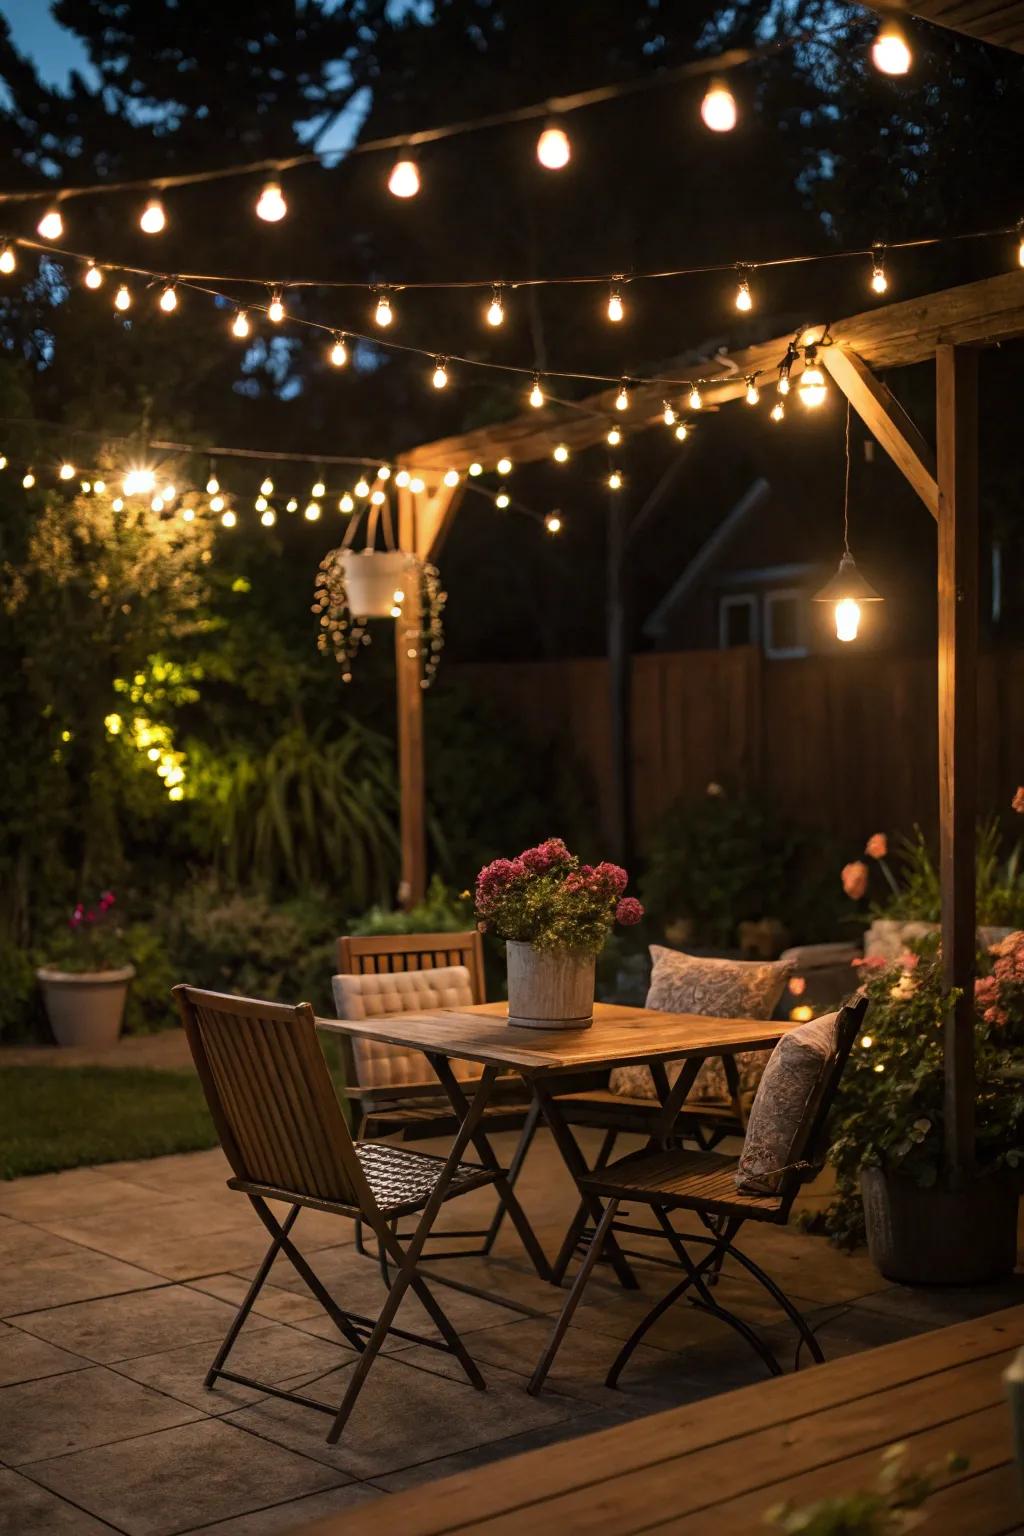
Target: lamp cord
point(846, 488)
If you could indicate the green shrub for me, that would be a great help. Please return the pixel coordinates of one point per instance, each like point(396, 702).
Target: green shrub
point(440, 911)
point(999, 883)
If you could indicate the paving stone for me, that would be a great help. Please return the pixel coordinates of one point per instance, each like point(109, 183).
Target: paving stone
point(63, 1414)
point(296, 1514)
point(75, 1192)
point(173, 1172)
point(127, 1234)
point(20, 1242)
point(181, 1478)
point(28, 1510)
point(190, 1258)
point(25, 1358)
point(71, 1277)
point(273, 1301)
point(936, 1305)
point(271, 1353)
point(126, 1327)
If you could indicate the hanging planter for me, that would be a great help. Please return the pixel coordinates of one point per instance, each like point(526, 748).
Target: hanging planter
point(376, 580)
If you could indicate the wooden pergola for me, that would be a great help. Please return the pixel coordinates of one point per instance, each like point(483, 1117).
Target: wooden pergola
point(948, 328)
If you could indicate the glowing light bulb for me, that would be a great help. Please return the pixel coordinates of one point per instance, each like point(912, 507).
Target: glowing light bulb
point(67, 471)
point(812, 387)
point(169, 299)
point(682, 432)
point(615, 480)
point(847, 619)
point(744, 297)
point(93, 275)
point(312, 512)
point(267, 487)
point(51, 225)
point(275, 309)
point(1020, 253)
point(362, 487)
point(496, 309)
point(188, 514)
point(152, 219)
point(346, 504)
point(402, 478)
point(504, 466)
point(99, 486)
point(28, 479)
point(122, 298)
point(553, 523)
point(451, 477)
point(783, 385)
point(718, 109)
point(157, 504)
point(271, 205)
point(383, 314)
point(216, 503)
point(229, 519)
point(261, 503)
point(890, 51)
point(622, 398)
point(616, 308)
point(753, 394)
point(440, 376)
point(339, 352)
point(86, 487)
point(318, 490)
point(777, 411)
point(503, 499)
point(668, 414)
point(169, 492)
point(291, 505)
point(240, 326)
point(378, 498)
point(396, 612)
point(475, 469)
point(553, 149)
point(117, 504)
point(213, 484)
point(561, 454)
point(613, 437)
point(417, 485)
point(384, 473)
point(8, 261)
point(268, 518)
point(536, 395)
point(879, 281)
point(404, 180)
point(695, 401)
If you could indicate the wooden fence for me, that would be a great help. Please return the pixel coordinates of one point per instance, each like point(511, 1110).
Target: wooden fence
point(846, 742)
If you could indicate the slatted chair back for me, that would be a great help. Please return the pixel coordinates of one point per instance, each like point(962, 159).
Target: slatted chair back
point(811, 1143)
point(271, 1097)
point(379, 1069)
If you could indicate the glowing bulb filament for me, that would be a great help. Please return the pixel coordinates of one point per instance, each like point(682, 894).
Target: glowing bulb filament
point(879, 281)
point(616, 308)
point(682, 432)
point(93, 276)
point(536, 393)
point(622, 398)
point(668, 414)
point(169, 299)
point(339, 352)
point(695, 402)
point(440, 378)
point(812, 387)
point(271, 205)
point(122, 299)
point(383, 313)
point(496, 309)
point(240, 326)
point(847, 619)
point(152, 218)
point(753, 394)
point(275, 309)
point(778, 410)
point(744, 297)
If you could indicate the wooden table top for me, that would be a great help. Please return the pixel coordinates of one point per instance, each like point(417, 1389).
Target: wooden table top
point(617, 1037)
point(712, 1468)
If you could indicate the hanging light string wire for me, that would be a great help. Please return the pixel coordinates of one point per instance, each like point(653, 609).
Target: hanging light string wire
point(846, 488)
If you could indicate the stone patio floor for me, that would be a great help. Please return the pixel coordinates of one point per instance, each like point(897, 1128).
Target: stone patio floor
point(117, 1283)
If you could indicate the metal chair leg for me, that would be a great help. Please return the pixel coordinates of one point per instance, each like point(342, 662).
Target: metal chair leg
point(523, 1145)
point(576, 1228)
point(258, 1281)
point(573, 1299)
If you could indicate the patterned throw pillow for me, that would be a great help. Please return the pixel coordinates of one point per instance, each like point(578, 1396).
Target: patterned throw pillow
point(724, 989)
point(778, 1118)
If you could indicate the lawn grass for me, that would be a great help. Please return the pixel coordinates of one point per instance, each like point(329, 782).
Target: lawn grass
point(63, 1117)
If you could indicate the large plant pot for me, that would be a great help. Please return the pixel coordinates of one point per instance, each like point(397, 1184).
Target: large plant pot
point(86, 1008)
point(549, 990)
point(373, 576)
point(940, 1236)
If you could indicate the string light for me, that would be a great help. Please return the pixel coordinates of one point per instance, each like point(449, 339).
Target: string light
point(417, 485)
point(695, 400)
point(93, 276)
point(682, 432)
point(122, 298)
point(8, 260)
point(553, 149)
point(812, 386)
point(312, 512)
point(668, 414)
point(553, 523)
point(474, 469)
point(157, 504)
point(261, 503)
point(613, 437)
point(383, 314)
point(169, 299)
point(744, 297)
point(362, 488)
point(228, 519)
point(503, 499)
point(384, 472)
point(622, 398)
point(267, 487)
point(51, 225)
point(213, 484)
point(616, 308)
point(339, 352)
point(451, 477)
point(66, 471)
point(99, 486)
point(28, 479)
point(188, 514)
point(879, 280)
point(291, 505)
point(890, 51)
point(319, 489)
point(169, 493)
point(378, 498)
point(561, 454)
point(718, 109)
point(346, 504)
point(139, 482)
point(504, 466)
point(440, 377)
point(615, 480)
point(153, 219)
point(536, 396)
point(275, 309)
point(117, 504)
point(240, 326)
point(217, 504)
point(753, 394)
point(496, 309)
point(86, 487)
point(268, 517)
point(402, 478)
point(271, 205)
point(404, 180)
point(777, 411)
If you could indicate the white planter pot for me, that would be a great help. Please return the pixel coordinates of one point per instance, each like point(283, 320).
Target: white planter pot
point(549, 990)
point(86, 1008)
point(372, 577)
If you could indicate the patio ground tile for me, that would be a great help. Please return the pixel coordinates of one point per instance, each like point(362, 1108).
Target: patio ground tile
point(70, 1277)
point(190, 1258)
point(20, 1242)
point(271, 1353)
point(935, 1306)
point(75, 1192)
point(273, 1301)
point(181, 1478)
point(64, 1414)
point(119, 1233)
point(28, 1510)
point(25, 1358)
point(281, 1518)
point(126, 1327)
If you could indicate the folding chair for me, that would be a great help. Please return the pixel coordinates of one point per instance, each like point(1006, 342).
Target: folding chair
point(705, 1183)
point(283, 1132)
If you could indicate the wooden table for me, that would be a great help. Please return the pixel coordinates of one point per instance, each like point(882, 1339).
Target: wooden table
point(713, 1467)
point(619, 1036)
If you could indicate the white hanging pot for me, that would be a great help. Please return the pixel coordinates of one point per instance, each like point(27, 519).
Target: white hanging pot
point(372, 578)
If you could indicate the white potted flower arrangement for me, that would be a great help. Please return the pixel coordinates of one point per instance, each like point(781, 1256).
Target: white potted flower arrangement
point(85, 984)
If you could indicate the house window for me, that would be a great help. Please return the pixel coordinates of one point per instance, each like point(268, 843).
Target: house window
point(785, 624)
point(737, 621)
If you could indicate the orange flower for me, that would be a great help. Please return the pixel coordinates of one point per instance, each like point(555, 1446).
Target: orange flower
point(1017, 803)
point(855, 879)
point(877, 846)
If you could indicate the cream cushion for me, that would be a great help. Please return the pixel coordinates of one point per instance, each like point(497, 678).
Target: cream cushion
point(392, 1066)
point(725, 989)
point(784, 1105)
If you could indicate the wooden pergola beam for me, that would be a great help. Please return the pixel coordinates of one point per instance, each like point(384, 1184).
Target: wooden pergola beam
point(887, 421)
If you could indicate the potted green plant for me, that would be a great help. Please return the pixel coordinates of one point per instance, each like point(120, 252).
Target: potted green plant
point(554, 913)
point(889, 1127)
point(893, 1505)
point(85, 982)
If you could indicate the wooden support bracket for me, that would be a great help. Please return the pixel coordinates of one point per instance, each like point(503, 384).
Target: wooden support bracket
point(886, 420)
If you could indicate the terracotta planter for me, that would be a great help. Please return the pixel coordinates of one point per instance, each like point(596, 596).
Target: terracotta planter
point(549, 990)
point(86, 1008)
point(940, 1236)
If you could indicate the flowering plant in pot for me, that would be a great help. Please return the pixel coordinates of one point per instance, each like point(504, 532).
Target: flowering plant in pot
point(85, 981)
point(555, 913)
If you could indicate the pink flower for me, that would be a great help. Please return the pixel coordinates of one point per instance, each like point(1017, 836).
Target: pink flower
point(870, 962)
point(877, 846)
point(909, 960)
point(494, 880)
point(628, 911)
point(540, 859)
point(798, 985)
point(855, 879)
point(613, 876)
point(1017, 803)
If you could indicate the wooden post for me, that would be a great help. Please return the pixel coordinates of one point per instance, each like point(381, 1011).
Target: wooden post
point(956, 371)
point(411, 774)
point(619, 680)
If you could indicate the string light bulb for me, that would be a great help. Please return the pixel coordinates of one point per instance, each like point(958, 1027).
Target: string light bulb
point(613, 437)
point(402, 479)
point(338, 354)
point(503, 499)
point(616, 308)
point(847, 591)
point(122, 298)
point(347, 503)
point(267, 486)
point(319, 489)
point(744, 297)
point(879, 279)
point(275, 309)
point(718, 109)
point(99, 486)
point(777, 411)
point(312, 512)
point(153, 219)
point(51, 225)
point(561, 453)
point(28, 479)
point(890, 51)
point(784, 384)
point(383, 314)
point(213, 484)
point(504, 466)
point(66, 471)
point(240, 325)
point(622, 398)
point(168, 299)
point(188, 514)
point(553, 522)
point(216, 503)
point(474, 469)
point(553, 149)
point(536, 396)
point(384, 472)
point(8, 260)
point(169, 492)
point(268, 517)
point(417, 485)
point(229, 519)
point(93, 276)
point(615, 480)
point(271, 206)
point(261, 503)
point(495, 313)
point(668, 414)
point(451, 477)
point(682, 432)
point(440, 376)
point(404, 180)
point(753, 394)
point(695, 399)
point(812, 386)
point(291, 505)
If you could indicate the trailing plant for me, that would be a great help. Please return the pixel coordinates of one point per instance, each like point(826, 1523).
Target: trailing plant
point(912, 892)
point(892, 1506)
point(549, 898)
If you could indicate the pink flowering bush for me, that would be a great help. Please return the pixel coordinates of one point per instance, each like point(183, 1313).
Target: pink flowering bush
point(999, 996)
point(549, 898)
point(93, 940)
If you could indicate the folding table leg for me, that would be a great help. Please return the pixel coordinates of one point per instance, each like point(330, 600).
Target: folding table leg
point(577, 1226)
point(573, 1299)
point(515, 1167)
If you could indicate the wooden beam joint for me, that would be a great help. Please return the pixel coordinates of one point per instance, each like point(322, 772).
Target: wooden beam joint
point(887, 422)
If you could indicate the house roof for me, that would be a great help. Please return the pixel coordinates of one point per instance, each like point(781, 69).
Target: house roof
point(999, 22)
